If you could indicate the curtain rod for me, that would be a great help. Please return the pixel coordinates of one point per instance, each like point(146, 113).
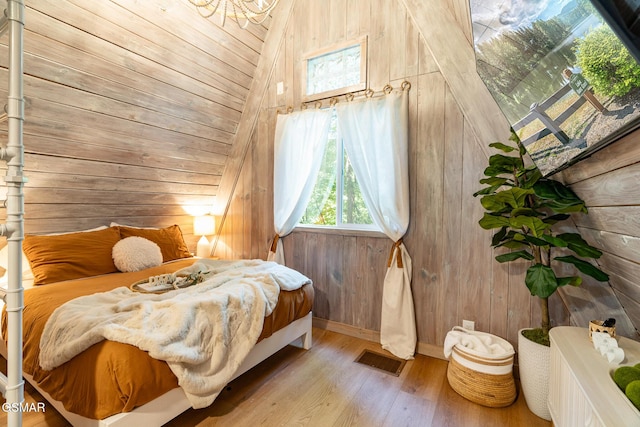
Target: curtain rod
point(333, 100)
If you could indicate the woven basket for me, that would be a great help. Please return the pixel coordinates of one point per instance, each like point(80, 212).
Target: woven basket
point(596, 326)
point(482, 380)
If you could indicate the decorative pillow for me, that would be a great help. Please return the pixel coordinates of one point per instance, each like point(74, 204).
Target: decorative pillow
point(169, 239)
point(27, 274)
point(71, 256)
point(136, 253)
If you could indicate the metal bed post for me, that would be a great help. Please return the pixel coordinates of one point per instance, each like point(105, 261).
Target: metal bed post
point(12, 385)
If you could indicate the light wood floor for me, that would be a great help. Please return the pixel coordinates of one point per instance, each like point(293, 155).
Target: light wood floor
point(324, 387)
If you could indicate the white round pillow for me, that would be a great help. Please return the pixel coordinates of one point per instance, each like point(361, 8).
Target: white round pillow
point(136, 253)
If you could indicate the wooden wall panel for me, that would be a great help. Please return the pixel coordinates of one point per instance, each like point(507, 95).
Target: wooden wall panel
point(131, 110)
point(428, 207)
point(477, 257)
point(454, 274)
point(607, 181)
point(452, 218)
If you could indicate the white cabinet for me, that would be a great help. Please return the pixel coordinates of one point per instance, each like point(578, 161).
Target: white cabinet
point(581, 390)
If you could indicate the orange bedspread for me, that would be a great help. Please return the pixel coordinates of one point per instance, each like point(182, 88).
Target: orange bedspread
point(110, 377)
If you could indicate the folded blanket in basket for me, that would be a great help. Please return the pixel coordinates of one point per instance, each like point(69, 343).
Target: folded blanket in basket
point(478, 341)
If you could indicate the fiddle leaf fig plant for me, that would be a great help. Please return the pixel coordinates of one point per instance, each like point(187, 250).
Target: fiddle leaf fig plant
point(523, 207)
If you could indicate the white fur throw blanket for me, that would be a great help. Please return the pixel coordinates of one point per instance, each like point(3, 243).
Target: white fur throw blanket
point(203, 332)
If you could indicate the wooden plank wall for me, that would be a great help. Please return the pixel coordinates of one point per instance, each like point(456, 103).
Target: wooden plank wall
point(608, 182)
point(131, 111)
point(454, 274)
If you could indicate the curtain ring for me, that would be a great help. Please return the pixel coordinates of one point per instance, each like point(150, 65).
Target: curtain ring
point(349, 97)
point(318, 104)
point(369, 93)
point(289, 109)
point(333, 101)
point(387, 89)
point(405, 85)
point(303, 106)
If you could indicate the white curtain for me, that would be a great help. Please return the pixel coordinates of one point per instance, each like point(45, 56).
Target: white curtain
point(375, 135)
point(299, 144)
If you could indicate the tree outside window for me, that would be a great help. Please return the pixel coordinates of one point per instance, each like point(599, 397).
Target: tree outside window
point(336, 199)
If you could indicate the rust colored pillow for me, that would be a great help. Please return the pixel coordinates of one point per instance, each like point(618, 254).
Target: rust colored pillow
point(169, 239)
point(55, 258)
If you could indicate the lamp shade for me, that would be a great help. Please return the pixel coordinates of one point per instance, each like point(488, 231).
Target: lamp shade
point(204, 225)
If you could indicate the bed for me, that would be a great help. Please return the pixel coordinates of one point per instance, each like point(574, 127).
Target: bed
point(114, 383)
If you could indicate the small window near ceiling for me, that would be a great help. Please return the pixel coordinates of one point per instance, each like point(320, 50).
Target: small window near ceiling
point(336, 70)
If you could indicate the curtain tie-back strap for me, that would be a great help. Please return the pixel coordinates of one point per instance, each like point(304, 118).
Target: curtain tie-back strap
point(396, 245)
point(274, 244)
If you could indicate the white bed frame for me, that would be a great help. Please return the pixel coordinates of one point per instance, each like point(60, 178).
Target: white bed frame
point(174, 402)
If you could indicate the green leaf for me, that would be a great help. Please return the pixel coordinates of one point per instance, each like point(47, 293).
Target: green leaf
point(555, 241)
point(513, 244)
point(501, 146)
point(565, 208)
point(493, 203)
point(489, 221)
point(535, 225)
point(520, 237)
point(514, 137)
point(586, 250)
point(558, 197)
point(571, 237)
point(577, 244)
point(585, 267)
point(486, 190)
point(536, 241)
point(513, 240)
point(524, 212)
point(573, 281)
point(514, 197)
point(541, 281)
point(494, 180)
point(556, 218)
point(500, 164)
point(499, 236)
point(512, 256)
point(528, 177)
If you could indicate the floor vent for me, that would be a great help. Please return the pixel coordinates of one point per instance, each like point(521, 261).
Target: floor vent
point(383, 362)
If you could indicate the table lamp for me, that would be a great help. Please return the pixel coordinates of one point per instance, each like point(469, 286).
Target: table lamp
point(203, 226)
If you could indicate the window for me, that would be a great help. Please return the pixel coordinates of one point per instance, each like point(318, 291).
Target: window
point(336, 200)
point(335, 71)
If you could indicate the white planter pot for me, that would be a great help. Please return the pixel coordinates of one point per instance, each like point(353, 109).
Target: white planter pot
point(534, 366)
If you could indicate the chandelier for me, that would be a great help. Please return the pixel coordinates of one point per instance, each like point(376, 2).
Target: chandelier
point(241, 11)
